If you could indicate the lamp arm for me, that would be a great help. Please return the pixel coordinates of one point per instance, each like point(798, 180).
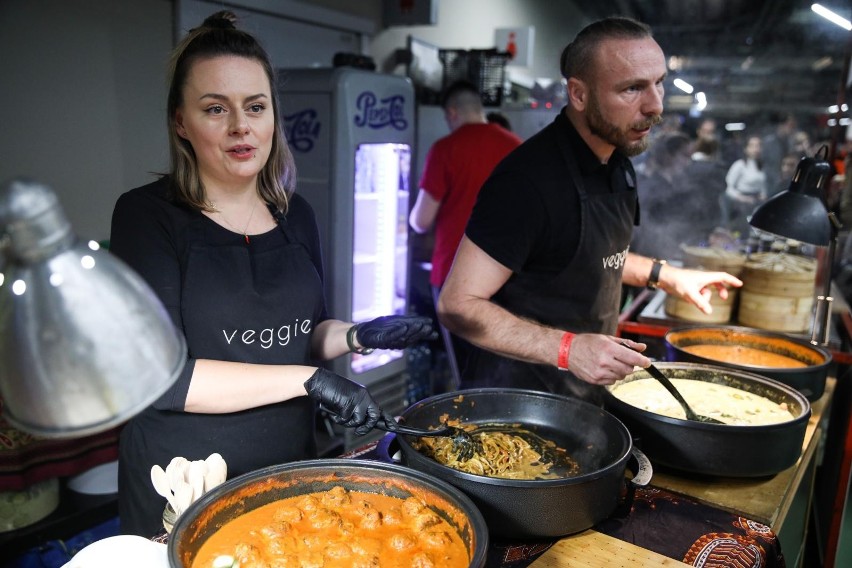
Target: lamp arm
point(836, 225)
point(822, 316)
point(5, 245)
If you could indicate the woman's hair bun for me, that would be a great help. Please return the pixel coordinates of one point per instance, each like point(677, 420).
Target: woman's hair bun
point(223, 20)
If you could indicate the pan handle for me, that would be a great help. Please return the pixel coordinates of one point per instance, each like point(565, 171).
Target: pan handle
point(640, 465)
point(642, 469)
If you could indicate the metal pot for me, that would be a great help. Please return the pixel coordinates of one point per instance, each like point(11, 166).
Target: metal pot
point(718, 449)
point(809, 380)
point(598, 441)
point(255, 489)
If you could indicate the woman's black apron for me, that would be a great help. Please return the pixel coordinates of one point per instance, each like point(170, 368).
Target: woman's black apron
point(254, 302)
point(583, 298)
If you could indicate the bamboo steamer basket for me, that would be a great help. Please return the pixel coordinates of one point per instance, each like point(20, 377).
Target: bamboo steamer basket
point(777, 292)
point(723, 310)
point(713, 259)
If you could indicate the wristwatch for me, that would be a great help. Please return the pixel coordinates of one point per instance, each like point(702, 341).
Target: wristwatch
point(350, 342)
point(654, 277)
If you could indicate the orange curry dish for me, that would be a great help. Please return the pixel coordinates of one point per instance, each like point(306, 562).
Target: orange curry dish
point(336, 529)
point(742, 355)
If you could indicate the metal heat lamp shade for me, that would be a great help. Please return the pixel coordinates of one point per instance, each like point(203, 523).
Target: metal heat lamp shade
point(799, 212)
point(85, 344)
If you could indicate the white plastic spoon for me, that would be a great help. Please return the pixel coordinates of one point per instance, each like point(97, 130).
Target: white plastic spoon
point(195, 477)
point(161, 485)
point(183, 496)
point(217, 471)
point(176, 470)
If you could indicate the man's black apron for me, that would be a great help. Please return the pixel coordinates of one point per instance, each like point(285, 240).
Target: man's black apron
point(255, 303)
point(583, 298)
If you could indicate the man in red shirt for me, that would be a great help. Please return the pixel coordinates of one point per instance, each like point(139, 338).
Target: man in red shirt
point(456, 167)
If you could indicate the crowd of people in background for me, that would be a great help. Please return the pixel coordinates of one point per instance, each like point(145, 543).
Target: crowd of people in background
point(698, 180)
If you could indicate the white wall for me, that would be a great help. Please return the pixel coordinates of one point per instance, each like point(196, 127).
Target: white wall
point(83, 99)
point(293, 34)
point(470, 24)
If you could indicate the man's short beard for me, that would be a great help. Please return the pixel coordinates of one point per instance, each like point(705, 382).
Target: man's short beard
point(636, 148)
point(612, 134)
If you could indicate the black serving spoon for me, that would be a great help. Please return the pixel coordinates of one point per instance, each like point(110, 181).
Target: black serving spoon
point(463, 442)
point(690, 414)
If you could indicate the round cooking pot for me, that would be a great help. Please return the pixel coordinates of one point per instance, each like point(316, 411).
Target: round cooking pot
point(598, 441)
point(809, 380)
point(255, 489)
point(718, 449)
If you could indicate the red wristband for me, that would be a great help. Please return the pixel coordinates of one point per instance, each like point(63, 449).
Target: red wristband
point(564, 349)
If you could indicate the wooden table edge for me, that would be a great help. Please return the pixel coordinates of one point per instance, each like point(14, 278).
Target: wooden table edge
point(594, 549)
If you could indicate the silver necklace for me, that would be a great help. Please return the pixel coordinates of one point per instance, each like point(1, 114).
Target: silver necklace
point(233, 228)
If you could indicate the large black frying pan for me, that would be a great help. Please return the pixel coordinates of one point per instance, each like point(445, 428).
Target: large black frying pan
point(718, 449)
point(597, 440)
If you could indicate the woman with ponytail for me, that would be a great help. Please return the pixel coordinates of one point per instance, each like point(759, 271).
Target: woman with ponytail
point(233, 254)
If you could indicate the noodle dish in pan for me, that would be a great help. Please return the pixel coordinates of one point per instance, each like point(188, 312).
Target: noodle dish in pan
point(505, 451)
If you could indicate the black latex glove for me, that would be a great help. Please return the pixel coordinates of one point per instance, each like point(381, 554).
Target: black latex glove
point(348, 402)
point(395, 332)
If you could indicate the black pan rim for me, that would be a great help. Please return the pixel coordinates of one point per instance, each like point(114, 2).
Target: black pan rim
point(819, 350)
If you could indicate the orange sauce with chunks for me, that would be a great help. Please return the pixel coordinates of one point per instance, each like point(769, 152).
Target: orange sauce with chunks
point(337, 529)
point(744, 356)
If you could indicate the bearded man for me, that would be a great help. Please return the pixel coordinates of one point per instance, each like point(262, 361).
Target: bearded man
point(537, 278)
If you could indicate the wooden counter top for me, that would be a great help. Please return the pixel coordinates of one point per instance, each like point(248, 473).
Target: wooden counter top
point(591, 549)
point(765, 500)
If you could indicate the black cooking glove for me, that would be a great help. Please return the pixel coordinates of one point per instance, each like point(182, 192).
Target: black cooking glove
point(395, 332)
point(348, 402)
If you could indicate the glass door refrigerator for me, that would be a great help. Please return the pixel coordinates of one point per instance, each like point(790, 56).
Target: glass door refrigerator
point(351, 132)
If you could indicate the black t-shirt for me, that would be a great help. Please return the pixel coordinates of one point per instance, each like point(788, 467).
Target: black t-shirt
point(530, 217)
point(191, 262)
point(150, 233)
point(527, 215)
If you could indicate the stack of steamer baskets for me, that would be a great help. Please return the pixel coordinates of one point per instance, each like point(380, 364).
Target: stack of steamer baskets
point(777, 292)
point(710, 259)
